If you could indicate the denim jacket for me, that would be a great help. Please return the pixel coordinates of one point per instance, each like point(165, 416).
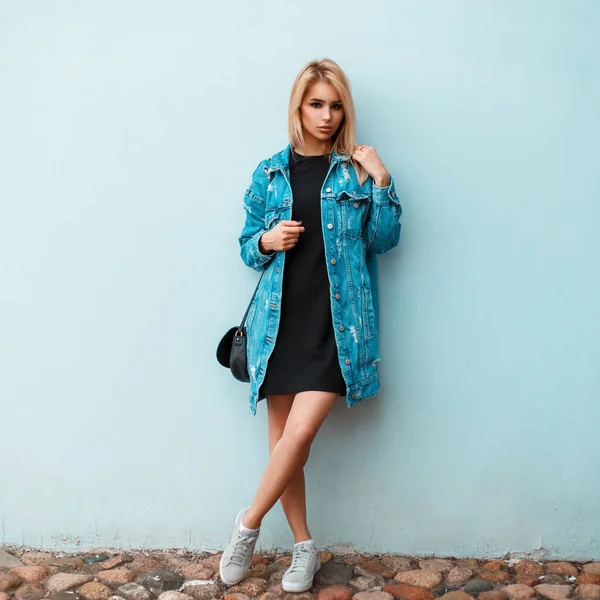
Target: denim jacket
point(359, 222)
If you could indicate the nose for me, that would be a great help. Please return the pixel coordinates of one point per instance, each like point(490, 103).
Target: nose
point(326, 115)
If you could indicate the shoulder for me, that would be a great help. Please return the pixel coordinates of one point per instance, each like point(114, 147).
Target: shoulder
point(263, 173)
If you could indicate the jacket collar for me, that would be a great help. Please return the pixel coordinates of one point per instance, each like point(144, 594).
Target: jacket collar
point(281, 160)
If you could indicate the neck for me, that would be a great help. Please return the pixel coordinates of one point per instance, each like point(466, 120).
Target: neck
point(313, 146)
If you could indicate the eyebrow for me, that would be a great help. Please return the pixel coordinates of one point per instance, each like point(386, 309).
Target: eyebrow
point(323, 101)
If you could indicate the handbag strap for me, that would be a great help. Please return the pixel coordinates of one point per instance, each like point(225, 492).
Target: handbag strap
point(251, 300)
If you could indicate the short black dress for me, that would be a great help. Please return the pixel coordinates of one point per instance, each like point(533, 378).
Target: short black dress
point(305, 356)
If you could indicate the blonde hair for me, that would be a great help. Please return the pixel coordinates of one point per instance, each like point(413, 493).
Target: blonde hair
point(343, 140)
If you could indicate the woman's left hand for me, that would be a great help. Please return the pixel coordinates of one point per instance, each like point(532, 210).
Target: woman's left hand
point(369, 159)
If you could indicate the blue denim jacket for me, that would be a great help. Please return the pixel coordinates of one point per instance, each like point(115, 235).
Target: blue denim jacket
point(359, 222)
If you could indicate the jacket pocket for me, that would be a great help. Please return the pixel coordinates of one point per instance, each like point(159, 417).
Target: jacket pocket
point(353, 212)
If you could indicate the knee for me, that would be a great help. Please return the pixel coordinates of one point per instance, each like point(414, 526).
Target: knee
point(301, 437)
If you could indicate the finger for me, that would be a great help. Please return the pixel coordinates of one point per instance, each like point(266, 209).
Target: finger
point(293, 230)
point(290, 223)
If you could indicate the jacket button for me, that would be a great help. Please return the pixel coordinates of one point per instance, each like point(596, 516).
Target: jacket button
point(328, 190)
point(329, 226)
point(356, 205)
point(337, 296)
point(333, 261)
point(341, 328)
point(347, 361)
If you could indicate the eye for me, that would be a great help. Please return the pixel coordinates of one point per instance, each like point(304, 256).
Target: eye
point(337, 107)
point(315, 104)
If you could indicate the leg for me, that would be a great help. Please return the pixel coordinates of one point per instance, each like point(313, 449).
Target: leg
point(290, 453)
point(293, 499)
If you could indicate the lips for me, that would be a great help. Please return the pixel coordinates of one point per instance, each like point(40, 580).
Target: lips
point(324, 128)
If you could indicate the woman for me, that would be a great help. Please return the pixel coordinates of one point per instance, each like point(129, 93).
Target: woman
point(317, 213)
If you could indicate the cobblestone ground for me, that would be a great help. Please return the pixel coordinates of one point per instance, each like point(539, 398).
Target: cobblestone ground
point(180, 575)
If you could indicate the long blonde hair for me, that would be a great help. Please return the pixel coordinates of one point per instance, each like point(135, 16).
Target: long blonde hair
point(344, 141)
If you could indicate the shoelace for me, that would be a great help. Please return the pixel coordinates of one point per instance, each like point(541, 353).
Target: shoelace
point(300, 559)
point(241, 549)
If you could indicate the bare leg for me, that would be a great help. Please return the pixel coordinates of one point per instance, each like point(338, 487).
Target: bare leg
point(290, 453)
point(293, 499)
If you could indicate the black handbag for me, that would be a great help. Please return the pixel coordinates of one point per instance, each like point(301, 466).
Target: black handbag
point(233, 347)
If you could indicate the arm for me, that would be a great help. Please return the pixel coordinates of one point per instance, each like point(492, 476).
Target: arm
point(251, 250)
point(382, 231)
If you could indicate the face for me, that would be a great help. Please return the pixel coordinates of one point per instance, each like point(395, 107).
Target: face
point(321, 112)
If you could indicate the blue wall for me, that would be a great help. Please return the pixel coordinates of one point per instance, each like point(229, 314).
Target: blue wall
point(129, 131)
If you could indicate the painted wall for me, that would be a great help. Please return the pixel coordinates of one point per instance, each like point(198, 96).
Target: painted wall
point(129, 131)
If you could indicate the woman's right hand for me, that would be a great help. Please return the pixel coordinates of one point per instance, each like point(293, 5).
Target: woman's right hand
point(282, 237)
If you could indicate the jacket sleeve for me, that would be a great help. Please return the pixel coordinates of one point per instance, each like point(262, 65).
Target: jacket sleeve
point(382, 231)
point(254, 225)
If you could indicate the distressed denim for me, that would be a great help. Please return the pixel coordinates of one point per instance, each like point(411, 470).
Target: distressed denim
point(358, 222)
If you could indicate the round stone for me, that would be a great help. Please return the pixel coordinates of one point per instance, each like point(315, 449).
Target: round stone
point(420, 578)
point(116, 577)
point(437, 564)
point(528, 567)
point(333, 573)
point(9, 581)
point(408, 592)
point(61, 582)
point(562, 568)
point(518, 591)
point(593, 567)
point(30, 591)
point(234, 596)
point(94, 590)
point(212, 561)
point(200, 571)
point(251, 586)
point(373, 596)
point(335, 592)
point(204, 592)
point(530, 580)
point(133, 591)
point(589, 591)
point(457, 595)
point(493, 576)
point(173, 595)
point(145, 564)
point(478, 585)
point(493, 595)
point(458, 576)
point(587, 577)
point(400, 564)
point(375, 566)
point(31, 574)
point(496, 565)
point(270, 596)
point(36, 558)
point(553, 592)
point(367, 582)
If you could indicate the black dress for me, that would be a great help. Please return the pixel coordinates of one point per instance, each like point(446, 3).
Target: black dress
point(305, 356)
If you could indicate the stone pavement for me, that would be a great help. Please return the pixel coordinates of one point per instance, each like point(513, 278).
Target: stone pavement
point(182, 575)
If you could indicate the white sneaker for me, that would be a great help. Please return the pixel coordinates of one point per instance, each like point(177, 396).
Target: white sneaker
point(237, 557)
point(305, 563)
